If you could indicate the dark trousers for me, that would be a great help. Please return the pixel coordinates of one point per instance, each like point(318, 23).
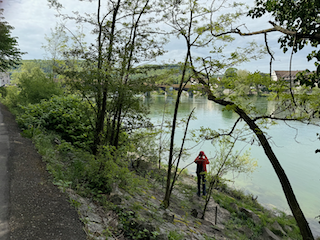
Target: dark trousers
point(201, 178)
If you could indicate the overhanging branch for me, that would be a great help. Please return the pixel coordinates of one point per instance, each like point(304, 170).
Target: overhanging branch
point(277, 28)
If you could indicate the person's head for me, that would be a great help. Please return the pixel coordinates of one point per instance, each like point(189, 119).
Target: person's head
point(201, 153)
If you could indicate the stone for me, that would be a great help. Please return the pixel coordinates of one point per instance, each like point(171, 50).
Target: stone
point(223, 215)
point(252, 215)
point(246, 231)
point(162, 236)
point(197, 236)
point(94, 217)
point(234, 206)
point(268, 235)
point(116, 199)
point(287, 228)
point(194, 213)
point(95, 228)
point(277, 229)
point(169, 217)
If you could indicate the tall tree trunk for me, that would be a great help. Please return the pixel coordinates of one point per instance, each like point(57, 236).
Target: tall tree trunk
point(99, 99)
point(102, 106)
point(166, 200)
point(285, 183)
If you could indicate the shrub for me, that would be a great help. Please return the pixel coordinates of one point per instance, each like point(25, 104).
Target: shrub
point(67, 116)
point(10, 99)
point(35, 86)
point(3, 92)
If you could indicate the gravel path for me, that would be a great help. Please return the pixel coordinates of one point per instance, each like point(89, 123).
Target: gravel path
point(36, 208)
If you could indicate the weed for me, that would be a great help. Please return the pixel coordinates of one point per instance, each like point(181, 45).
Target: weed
point(175, 235)
point(75, 203)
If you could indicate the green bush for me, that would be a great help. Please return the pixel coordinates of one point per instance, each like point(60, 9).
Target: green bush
point(3, 92)
point(109, 169)
point(11, 97)
point(67, 116)
point(36, 85)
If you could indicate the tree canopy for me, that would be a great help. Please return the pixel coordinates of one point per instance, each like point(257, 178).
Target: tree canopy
point(10, 54)
point(298, 20)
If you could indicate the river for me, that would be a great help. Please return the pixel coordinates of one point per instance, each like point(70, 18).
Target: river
point(294, 146)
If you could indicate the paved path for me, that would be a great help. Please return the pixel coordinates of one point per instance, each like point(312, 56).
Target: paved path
point(31, 207)
point(4, 180)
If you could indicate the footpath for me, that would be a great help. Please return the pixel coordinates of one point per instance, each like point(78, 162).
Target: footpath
point(31, 207)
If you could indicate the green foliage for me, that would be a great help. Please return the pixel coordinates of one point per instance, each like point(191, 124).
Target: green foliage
point(10, 54)
point(229, 161)
point(166, 74)
point(304, 21)
point(11, 98)
point(133, 229)
point(106, 76)
point(3, 92)
point(175, 235)
point(242, 83)
point(36, 86)
point(105, 170)
point(31, 86)
point(78, 169)
point(238, 220)
point(67, 116)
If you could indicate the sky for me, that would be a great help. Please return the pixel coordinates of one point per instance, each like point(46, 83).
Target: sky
point(33, 20)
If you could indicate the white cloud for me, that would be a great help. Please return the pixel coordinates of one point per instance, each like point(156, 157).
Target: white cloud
point(33, 19)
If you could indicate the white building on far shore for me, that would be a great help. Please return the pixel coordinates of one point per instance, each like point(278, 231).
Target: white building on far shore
point(4, 79)
point(285, 75)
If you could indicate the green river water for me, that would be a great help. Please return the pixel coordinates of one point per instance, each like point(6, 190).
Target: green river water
point(294, 146)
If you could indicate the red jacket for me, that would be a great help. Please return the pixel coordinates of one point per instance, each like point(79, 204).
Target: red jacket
point(203, 160)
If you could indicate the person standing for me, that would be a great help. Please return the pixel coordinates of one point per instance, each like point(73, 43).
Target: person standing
point(201, 162)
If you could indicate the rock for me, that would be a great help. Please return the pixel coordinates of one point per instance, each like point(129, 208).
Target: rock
point(277, 229)
point(162, 236)
point(116, 199)
point(166, 227)
point(197, 236)
point(95, 228)
point(234, 206)
point(268, 235)
point(92, 217)
point(251, 215)
point(145, 225)
point(169, 217)
point(287, 228)
point(223, 215)
point(246, 231)
point(194, 213)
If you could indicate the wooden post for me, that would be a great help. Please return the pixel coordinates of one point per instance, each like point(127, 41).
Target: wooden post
point(216, 216)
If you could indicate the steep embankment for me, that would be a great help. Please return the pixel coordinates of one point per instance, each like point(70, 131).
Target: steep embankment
point(139, 216)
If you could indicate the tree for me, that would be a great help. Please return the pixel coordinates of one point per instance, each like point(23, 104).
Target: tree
point(201, 26)
point(285, 183)
point(56, 46)
point(10, 54)
point(246, 83)
point(205, 74)
point(227, 160)
point(123, 40)
point(299, 26)
point(230, 73)
point(35, 85)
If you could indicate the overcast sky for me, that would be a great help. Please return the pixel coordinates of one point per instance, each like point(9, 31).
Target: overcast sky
point(33, 19)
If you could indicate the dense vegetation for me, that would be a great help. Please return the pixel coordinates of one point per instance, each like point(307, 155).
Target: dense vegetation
point(60, 124)
point(83, 106)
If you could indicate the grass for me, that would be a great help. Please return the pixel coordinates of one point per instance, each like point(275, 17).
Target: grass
point(69, 167)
